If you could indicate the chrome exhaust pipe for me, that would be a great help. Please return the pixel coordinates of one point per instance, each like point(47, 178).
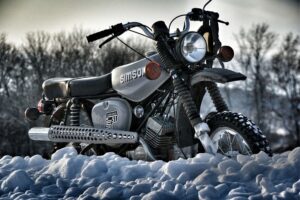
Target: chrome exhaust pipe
point(89, 135)
point(39, 133)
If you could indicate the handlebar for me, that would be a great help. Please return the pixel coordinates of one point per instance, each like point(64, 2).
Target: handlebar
point(116, 30)
point(196, 14)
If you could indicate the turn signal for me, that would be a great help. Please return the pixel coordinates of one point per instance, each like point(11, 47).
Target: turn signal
point(226, 53)
point(152, 70)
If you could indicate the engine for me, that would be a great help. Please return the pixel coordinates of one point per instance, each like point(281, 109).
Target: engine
point(159, 135)
point(112, 113)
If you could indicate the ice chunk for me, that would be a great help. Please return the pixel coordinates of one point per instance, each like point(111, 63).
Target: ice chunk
point(141, 188)
point(262, 158)
point(159, 195)
point(294, 158)
point(267, 186)
point(45, 179)
point(238, 192)
point(51, 189)
point(73, 192)
point(112, 193)
point(67, 151)
point(174, 169)
point(94, 168)
point(168, 185)
point(15, 163)
point(69, 167)
point(183, 177)
point(132, 172)
point(18, 178)
point(36, 162)
point(222, 189)
point(224, 165)
point(243, 159)
point(251, 169)
point(207, 177)
point(209, 192)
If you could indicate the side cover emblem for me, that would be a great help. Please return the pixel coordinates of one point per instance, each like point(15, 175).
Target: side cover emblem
point(111, 119)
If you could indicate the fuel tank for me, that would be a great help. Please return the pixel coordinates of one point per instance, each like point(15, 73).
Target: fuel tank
point(130, 81)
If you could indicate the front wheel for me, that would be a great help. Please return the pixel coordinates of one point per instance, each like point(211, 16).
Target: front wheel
point(236, 134)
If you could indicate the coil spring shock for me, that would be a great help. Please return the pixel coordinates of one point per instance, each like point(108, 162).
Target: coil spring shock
point(188, 102)
point(75, 113)
point(216, 97)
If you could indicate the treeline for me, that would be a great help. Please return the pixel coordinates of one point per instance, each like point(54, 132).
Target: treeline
point(271, 63)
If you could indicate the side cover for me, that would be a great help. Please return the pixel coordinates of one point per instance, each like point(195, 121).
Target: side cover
point(130, 80)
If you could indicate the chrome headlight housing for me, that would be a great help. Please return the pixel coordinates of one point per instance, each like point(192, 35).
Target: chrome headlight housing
point(191, 47)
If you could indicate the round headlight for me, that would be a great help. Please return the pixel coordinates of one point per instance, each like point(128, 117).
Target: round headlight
point(192, 47)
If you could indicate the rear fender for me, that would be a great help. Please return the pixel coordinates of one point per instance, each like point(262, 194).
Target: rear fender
point(218, 75)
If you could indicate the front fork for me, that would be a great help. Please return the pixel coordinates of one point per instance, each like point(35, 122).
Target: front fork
point(201, 128)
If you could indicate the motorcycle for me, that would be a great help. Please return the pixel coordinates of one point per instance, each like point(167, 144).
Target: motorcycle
point(150, 109)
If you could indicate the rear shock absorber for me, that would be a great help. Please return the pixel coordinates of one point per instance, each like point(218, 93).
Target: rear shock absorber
point(75, 113)
point(216, 97)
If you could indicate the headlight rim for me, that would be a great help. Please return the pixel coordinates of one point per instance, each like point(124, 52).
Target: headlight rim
point(179, 48)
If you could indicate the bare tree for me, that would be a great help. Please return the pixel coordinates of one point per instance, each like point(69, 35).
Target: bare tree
point(254, 46)
point(37, 54)
point(286, 78)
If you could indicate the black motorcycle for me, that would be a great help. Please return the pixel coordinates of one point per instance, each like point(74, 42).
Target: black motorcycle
point(149, 109)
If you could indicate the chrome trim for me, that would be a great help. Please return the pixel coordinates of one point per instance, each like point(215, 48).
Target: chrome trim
point(201, 132)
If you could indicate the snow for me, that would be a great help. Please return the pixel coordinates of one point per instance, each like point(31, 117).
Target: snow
point(71, 176)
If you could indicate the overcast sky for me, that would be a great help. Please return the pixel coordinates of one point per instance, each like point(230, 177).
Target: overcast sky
point(18, 17)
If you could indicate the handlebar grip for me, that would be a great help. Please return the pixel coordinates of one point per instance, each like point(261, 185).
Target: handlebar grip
point(197, 14)
point(99, 35)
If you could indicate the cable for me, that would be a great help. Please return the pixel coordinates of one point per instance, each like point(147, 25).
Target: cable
point(182, 152)
point(141, 34)
point(175, 19)
point(134, 49)
point(206, 5)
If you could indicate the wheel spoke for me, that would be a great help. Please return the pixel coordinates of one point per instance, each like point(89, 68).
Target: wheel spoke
point(232, 140)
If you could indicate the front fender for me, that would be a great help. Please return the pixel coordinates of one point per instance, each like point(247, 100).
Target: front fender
point(218, 75)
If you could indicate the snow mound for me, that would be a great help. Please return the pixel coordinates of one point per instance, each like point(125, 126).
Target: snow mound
point(71, 176)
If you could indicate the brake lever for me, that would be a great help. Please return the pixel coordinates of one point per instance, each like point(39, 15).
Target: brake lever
point(106, 41)
point(223, 22)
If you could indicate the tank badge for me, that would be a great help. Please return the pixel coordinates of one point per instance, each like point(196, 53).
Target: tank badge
point(132, 75)
point(111, 119)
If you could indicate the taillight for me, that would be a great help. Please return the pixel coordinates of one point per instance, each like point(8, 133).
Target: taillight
point(40, 106)
point(45, 106)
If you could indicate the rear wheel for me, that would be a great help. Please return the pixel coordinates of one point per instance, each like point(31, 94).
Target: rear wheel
point(236, 134)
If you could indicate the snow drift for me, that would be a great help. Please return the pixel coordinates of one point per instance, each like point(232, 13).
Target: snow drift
point(71, 176)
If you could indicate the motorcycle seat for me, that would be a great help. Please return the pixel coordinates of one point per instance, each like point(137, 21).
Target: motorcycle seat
point(76, 87)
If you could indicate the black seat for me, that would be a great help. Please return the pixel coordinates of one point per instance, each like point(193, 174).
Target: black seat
point(76, 87)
